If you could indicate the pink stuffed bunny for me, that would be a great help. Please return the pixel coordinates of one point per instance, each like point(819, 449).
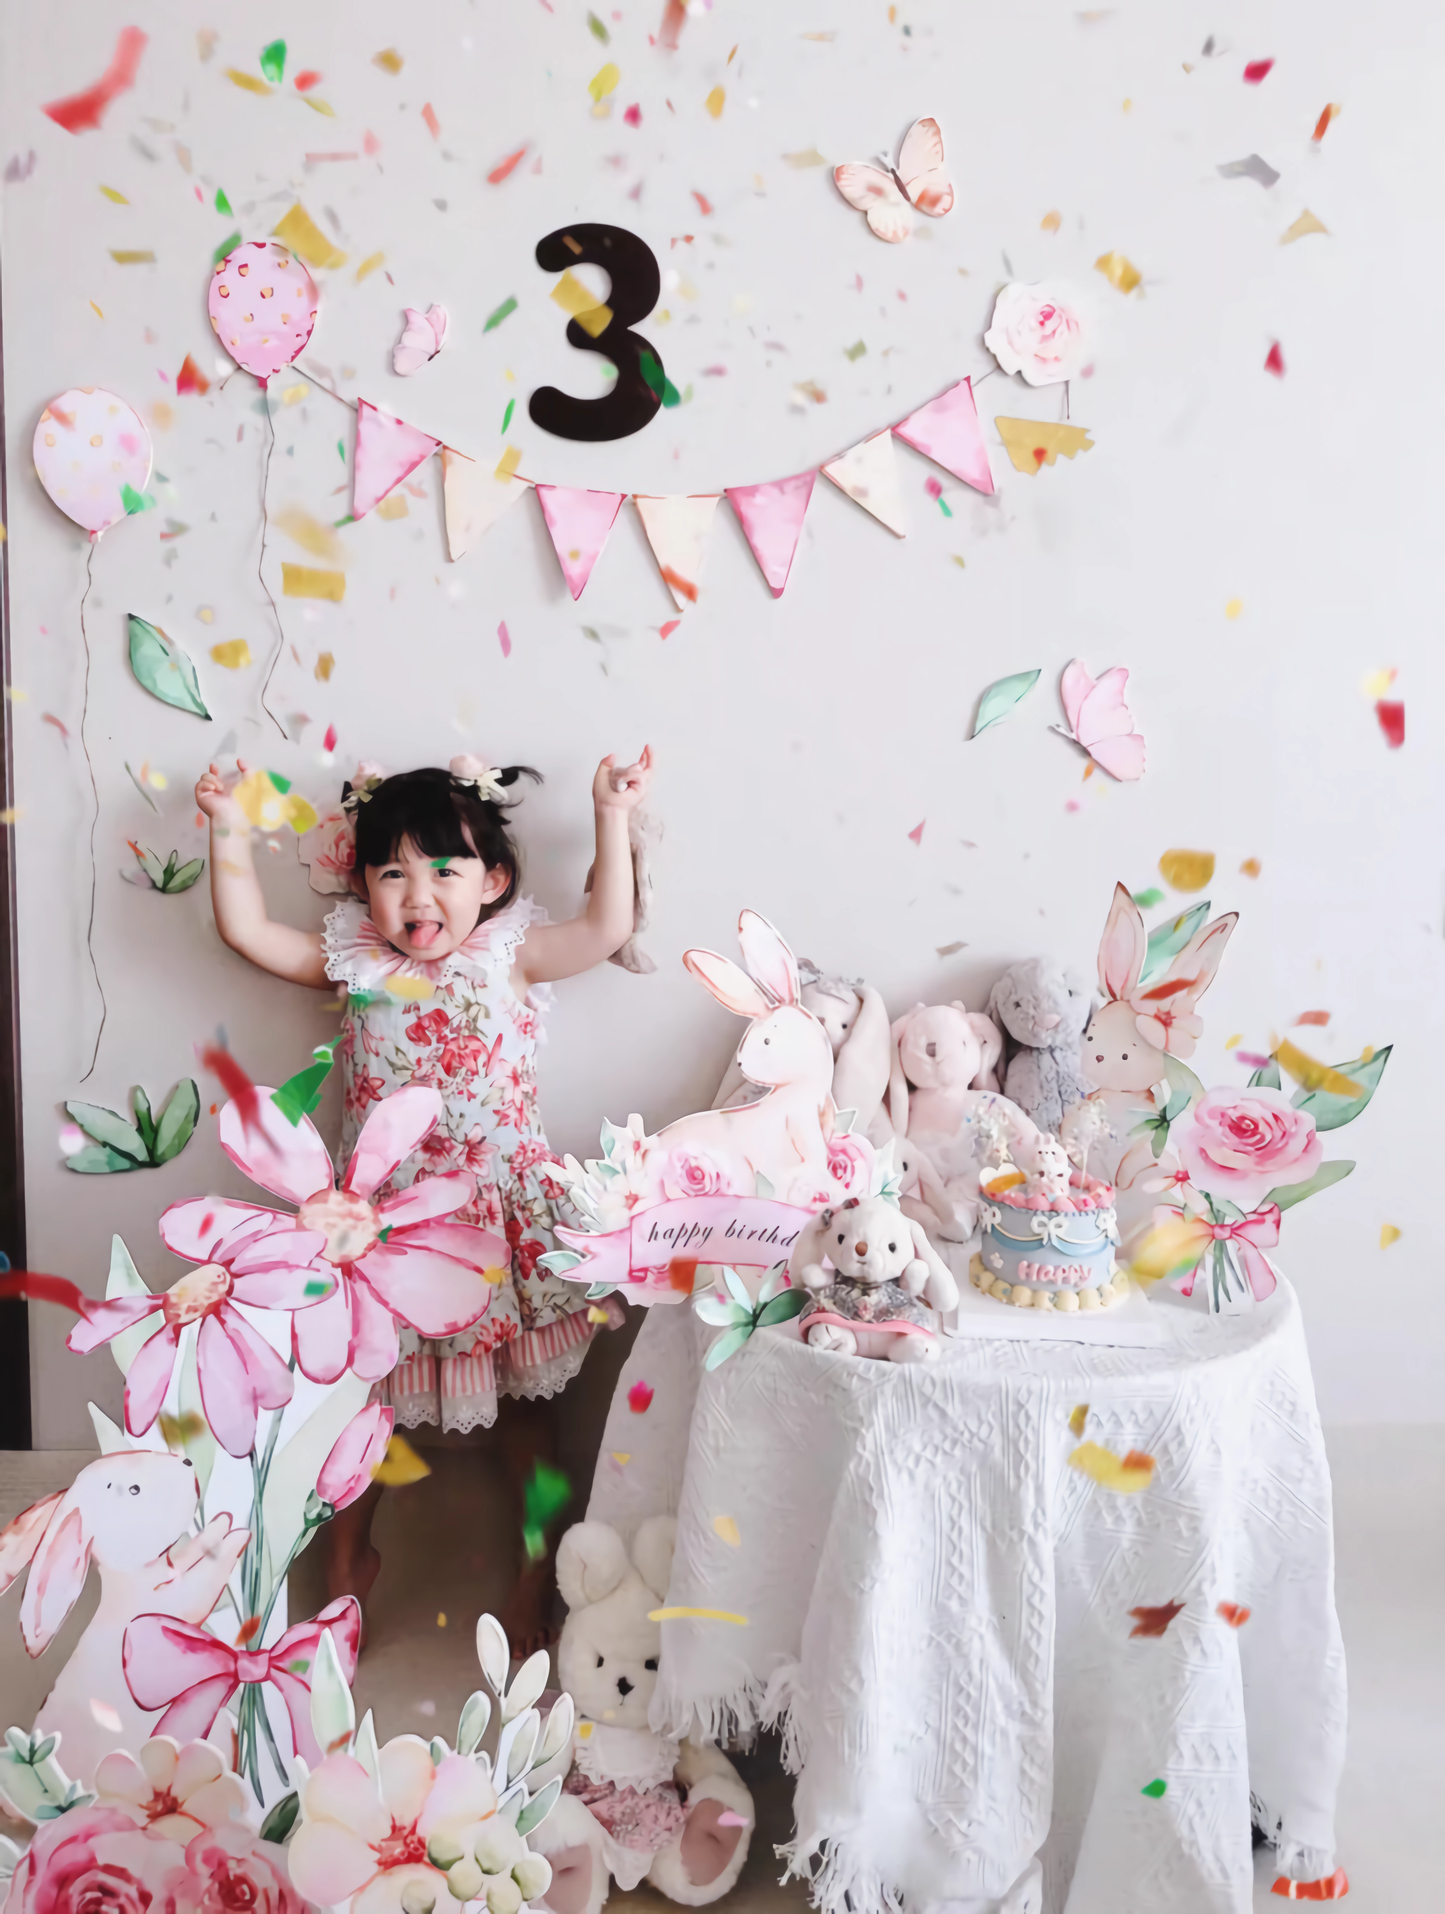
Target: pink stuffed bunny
point(130, 1513)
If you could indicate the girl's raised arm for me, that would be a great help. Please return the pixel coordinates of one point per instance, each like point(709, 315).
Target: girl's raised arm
point(553, 951)
point(236, 895)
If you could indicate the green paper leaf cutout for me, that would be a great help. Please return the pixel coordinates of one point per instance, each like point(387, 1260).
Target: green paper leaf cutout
point(109, 1129)
point(727, 1345)
point(783, 1308)
point(145, 1122)
point(1330, 1111)
point(183, 878)
point(540, 1806)
point(273, 62)
point(163, 669)
point(1001, 697)
point(559, 1261)
point(135, 501)
point(177, 1120)
point(279, 1822)
point(762, 1187)
point(476, 1713)
point(1288, 1194)
point(97, 1160)
point(1166, 940)
point(1267, 1078)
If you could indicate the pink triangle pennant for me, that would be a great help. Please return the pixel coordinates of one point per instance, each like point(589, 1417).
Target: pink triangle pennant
point(387, 448)
point(772, 520)
point(947, 431)
point(868, 473)
point(677, 530)
point(579, 522)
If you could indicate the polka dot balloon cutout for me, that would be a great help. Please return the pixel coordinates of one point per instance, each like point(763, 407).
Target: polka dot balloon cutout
point(89, 445)
point(262, 304)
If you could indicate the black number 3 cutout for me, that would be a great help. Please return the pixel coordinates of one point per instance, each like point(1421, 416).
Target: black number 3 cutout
point(634, 400)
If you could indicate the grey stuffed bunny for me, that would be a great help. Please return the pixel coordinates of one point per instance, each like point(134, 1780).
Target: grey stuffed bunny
point(1042, 1008)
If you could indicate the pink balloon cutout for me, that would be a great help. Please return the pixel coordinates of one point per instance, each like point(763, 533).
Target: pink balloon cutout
point(87, 446)
point(262, 303)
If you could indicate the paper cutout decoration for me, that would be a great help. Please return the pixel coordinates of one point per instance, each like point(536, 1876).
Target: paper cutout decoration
point(1101, 722)
point(475, 497)
point(1042, 331)
point(1000, 698)
point(169, 878)
point(1031, 443)
point(387, 449)
point(163, 669)
point(91, 450)
point(868, 473)
point(146, 1144)
point(262, 303)
point(771, 516)
point(677, 530)
point(739, 1317)
point(578, 522)
point(423, 337)
point(635, 282)
point(887, 198)
point(947, 430)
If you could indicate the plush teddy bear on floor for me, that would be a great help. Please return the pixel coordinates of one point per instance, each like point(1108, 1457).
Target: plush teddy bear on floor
point(634, 1804)
point(884, 1287)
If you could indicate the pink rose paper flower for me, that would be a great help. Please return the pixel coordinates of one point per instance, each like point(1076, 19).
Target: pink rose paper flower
point(850, 1164)
point(693, 1173)
point(381, 1262)
point(347, 1472)
point(96, 1860)
point(1241, 1143)
point(172, 1790)
point(1044, 332)
point(234, 1871)
point(367, 1841)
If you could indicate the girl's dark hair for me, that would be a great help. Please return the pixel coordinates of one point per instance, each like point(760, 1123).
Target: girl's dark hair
point(440, 814)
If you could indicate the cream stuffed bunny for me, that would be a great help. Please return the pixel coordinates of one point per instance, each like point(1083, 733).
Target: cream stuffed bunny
point(635, 1805)
point(886, 1281)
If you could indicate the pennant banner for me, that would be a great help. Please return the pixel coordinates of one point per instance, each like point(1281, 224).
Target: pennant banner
point(772, 520)
point(947, 431)
point(578, 522)
point(475, 498)
point(868, 473)
point(387, 449)
point(677, 530)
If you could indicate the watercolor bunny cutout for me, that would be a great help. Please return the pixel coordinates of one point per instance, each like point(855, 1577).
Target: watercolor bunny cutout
point(130, 1513)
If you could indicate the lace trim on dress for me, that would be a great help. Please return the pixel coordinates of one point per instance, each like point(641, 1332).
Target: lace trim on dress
point(359, 956)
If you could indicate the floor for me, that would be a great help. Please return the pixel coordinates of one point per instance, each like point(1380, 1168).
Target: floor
point(415, 1673)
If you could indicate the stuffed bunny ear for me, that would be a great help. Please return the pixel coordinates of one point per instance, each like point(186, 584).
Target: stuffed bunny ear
point(808, 1247)
point(733, 988)
point(860, 1074)
point(937, 1268)
point(652, 1549)
point(1123, 946)
point(24, 1535)
point(897, 1076)
point(591, 1561)
point(768, 958)
point(990, 1044)
point(57, 1575)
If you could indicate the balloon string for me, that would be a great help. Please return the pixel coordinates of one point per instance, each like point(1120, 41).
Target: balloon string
point(330, 390)
point(261, 568)
point(95, 811)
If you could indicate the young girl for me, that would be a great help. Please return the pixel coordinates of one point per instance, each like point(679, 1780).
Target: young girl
point(436, 912)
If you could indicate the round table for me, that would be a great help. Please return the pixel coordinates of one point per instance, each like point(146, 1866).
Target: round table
point(977, 1652)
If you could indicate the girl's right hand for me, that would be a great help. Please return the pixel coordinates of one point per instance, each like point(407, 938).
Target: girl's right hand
point(214, 799)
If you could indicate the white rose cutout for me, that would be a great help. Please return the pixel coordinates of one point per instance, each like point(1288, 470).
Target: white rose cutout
point(1046, 332)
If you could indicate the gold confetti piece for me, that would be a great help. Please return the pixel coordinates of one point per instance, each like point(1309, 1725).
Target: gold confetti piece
point(411, 990)
point(12, 814)
point(269, 808)
point(1388, 1234)
point(400, 1465)
point(319, 106)
point(1251, 867)
point(714, 101)
point(810, 156)
point(1119, 272)
point(1005, 1180)
point(369, 264)
point(179, 1430)
point(583, 305)
point(301, 233)
point(621, 1456)
point(1051, 222)
point(1234, 608)
point(508, 462)
point(234, 654)
point(162, 416)
point(1233, 1043)
point(389, 60)
point(702, 1614)
point(1376, 684)
point(96, 310)
point(1187, 870)
point(584, 1730)
point(604, 80)
point(308, 581)
point(119, 198)
point(16, 695)
point(726, 1529)
point(325, 665)
point(496, 1275)
point(1078, 1416)
point(392, 506)
point(1310, 1075)
point(1126, 1475)
point(1173, 1245)
point(294, 394)
point(441, 1621)
point(596, 1315)
point(309, 532)
point(1030, 443)
point(142, 257)
point(1306, 223)
point(247, 81)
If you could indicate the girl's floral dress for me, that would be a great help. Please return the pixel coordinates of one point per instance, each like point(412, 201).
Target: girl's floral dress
point(458, 1026)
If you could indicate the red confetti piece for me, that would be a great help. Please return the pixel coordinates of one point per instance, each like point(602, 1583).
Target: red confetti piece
point(684, 586)
point(1391, 714)
point(639, 1398)
point(1322, 124)
point(1252, 1058)
point(500, 172)
point(1233, 1614)
point(371, 145)
point(504, 639)
point(1256, 71)
point(633, 116)
point(328, 743)
point(1153, 1621)
point(681, 1274)
point(1274, 361)
point(81, 110)
point(1317, 1017)
point(1334, 1888)
point(190, 378)
point(673, 15)
point(704, 204)
point(670, 627)
point(305, 81)
point(915, 836)
point(37, 1288)
point(933, 488)
point(49, 717)
point(247, 1631)
point(433, 125)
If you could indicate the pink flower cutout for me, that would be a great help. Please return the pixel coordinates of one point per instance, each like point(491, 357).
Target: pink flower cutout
point(347, 1472)
point(174, 1791)
point(1242, 1143)
point(95, 1860)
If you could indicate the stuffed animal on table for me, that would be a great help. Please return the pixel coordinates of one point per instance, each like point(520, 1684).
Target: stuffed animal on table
point(941, 1084)
point(1042, 1009)
point(634, 1805)
point(856, 1020)
point(885, 1289)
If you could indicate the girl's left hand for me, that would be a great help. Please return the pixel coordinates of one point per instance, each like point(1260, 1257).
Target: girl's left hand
point(624, 789)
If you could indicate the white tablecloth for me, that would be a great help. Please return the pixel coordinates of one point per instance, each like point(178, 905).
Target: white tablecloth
point(938, 1606)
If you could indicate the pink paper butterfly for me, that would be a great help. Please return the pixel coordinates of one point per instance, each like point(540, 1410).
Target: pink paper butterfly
point(1100, 720)
point(886, 195)
point(423, 338)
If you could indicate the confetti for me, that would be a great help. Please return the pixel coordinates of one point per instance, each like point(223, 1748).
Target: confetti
point(1391, 714)
point(273, 61)
point(604, 80)
point(1121, 275)
point(701, 1614)
point(500, 172)
point(1256, 70)
point(1274, 361)
point(633, 115)
point(294, 394)
point(305, 81)
point(1051, 222)
point(441, 1619)
point(389, 60)
point(621, 1457)
point(81, 111)
point(1149, 1622)
point(309, 581)
point(1078, 1416)
point(1317, 1017)
point(726, 1529)
point(247, 81)
point(301, 233)
point(119, 198)
point(394, 505)
point(227, 245)
point(1146, 900)
point(1001, 697)
point(308, 532)
point(1233, 1043)
point(810, 156)
point(369, 265)
point(107, 1717)
point(1031, 444)
point(714, 102)
point(234, 655)
point(856, 351)
point(497, 315)
point(1233, 1614)
point(582, 304)
point(1310, 1075)
point(1251, 168)
point(133, 257)
point(598, 30)
point(950, 950)
point(190, 378)
point(915, 836)
point(433, 125)
point(96, 309)
point(639, 1398)
point(1251, 867)
point(1155, 1790)
point(1127, 1475)
point(507, 416)
point(411, 990)
point(1306, 223)
point(504, 639)
point(704, 206)
point(1322, 124)
point(1187, 870)
point(401, 1464)
point(325, 665)
point(1388, 1234)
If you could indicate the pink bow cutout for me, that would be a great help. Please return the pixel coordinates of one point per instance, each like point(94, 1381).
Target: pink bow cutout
point(192, 1675)
point(1254, 1233)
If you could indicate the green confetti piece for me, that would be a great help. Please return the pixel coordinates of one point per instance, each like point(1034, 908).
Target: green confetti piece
point(273, 61)
point(1001, 697)
point(597, 30)
point(227, 245)
point(543, 1499)
point(135, 501)
point(856, 350)
point(494, 319)
point(1146, 900)
point(658, 381)
point(163, 669)
point(1155, 1789)
point(341, 452)
point(507, 416)
point(316, 1287)
point(945, 508)
point(282, 784)
point(223, 205)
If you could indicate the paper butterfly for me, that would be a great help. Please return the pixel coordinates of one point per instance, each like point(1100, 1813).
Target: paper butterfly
point(423, 338)
point(1100, 720)
point(887, 197)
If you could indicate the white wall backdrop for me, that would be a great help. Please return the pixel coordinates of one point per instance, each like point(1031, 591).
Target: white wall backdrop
point(798, 741)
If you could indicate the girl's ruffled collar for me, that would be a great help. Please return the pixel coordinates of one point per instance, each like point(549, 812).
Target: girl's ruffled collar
point(358, 955)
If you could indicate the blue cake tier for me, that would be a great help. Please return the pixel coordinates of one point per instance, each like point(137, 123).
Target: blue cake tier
point(1064, 1251)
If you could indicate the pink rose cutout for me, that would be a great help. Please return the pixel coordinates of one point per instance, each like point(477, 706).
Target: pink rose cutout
point(1242, 1143)
point(692, 1173)
point(1044, 332)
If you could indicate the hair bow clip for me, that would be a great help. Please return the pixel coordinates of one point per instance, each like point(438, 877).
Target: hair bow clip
point(484, 779)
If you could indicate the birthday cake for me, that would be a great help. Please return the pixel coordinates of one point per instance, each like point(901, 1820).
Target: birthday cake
point(1048, 1243)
